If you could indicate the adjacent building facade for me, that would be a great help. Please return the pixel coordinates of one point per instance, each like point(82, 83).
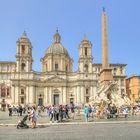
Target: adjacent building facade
point(133, 88)
point(56, 83)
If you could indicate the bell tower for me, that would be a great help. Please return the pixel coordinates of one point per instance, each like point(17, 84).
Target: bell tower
point(85, 56)
point(24, 58)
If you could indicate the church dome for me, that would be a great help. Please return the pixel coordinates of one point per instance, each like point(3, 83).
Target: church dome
point(56, 47)
point(56, 57)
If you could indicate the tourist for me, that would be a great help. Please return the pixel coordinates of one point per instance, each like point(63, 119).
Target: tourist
point(86, 111)
point(125, 112)
point(17, 108)
point(33, 116)
point(89, 110)
point(10, 110)
point(51, 113)
point(72, 111)
point(24, 110)
point(14, 109)
point(64, 112)
point(67, 112)
point(20, 110)
point(61, 113)
point(39, 110)
point(56, 114)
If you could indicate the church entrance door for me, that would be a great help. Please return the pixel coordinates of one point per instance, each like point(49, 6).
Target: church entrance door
point(40, 101)
point(56, 99)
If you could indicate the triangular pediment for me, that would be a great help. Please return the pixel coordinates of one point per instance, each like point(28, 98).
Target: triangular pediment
point(56, 79)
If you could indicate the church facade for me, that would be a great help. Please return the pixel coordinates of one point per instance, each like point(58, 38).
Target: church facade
point(56, 83)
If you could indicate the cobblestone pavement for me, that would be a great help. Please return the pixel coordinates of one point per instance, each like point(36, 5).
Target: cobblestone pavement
point(74, 132)
point(5, 119)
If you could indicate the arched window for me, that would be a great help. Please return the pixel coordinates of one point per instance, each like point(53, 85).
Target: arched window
point(86, 51)
point(121, 70)
point(23, 66)
point(23, 49)
point(115, 70)
point(66, 68)
point(86, 68)
point(3, 92)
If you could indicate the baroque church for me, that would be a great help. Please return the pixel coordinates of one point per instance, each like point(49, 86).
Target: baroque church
point(56, 83)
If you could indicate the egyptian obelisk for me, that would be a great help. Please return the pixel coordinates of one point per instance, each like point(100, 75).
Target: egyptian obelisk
point(106, 72)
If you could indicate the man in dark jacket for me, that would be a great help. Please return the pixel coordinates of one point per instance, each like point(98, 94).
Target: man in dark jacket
point(20, 110)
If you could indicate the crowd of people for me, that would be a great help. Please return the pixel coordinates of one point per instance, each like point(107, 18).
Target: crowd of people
point(109, 112)
point(61, 113)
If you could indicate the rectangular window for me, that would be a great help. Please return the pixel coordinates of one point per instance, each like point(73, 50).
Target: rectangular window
point(22, 91)
point(87, 99)
point(56, 66)
point(22, 100)
point(86, 91)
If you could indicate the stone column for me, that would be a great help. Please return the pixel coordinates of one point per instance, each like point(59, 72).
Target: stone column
point(27, 67)
point(18, 66)
point(75, 95)
point(31, 95)
point(51, 64)
point(16, 95)
point(27, 94)
point(61, 66)
point(50, 96)
point(45, 96)
point(13, 94)
point(61, 96)
point(94, 91)
point(17, 49)
point(82, 95)
point(64, 96)
point(78, 94)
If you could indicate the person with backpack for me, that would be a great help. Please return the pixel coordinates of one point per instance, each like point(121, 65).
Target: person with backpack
point(89, 110)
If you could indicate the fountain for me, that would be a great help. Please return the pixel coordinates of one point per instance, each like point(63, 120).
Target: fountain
point(109, 95)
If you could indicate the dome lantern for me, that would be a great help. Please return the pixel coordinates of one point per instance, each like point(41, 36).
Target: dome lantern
point(57, 37)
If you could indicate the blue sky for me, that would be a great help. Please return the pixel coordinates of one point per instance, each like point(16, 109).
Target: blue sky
point(40, 18)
